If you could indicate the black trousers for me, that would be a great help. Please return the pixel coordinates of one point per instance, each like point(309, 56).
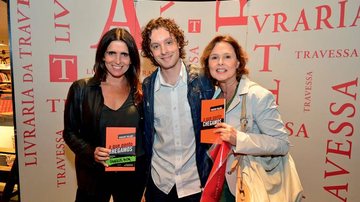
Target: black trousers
point(153, 194)
point(125, 186)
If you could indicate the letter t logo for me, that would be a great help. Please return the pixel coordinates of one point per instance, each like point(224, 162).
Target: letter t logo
point(194, 26)
point(63, 68)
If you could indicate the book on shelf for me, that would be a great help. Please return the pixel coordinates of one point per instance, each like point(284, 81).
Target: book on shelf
point(122, 142)
point(5, 67)
point(212, 112)
point(5, 77)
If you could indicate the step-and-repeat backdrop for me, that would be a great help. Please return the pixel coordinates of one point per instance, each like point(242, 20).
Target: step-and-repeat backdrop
point(305, 52)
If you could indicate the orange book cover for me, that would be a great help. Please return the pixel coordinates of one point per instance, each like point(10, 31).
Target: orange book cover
point(121, 141)
point(212, 112)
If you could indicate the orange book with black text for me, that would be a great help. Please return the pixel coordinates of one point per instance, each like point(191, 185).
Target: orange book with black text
point(122, 142)
point(212, 112)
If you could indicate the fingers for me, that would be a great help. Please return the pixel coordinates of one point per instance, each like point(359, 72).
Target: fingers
point(101, 154)
point(104, 164)
point(222, 128)
point(226, 132)
point(221, 125)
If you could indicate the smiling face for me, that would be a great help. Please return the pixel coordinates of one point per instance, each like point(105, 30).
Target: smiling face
point(223, 63)
point(164, 48)
point(117, 59)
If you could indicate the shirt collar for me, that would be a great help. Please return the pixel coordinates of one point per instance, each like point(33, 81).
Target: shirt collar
point(160, 81)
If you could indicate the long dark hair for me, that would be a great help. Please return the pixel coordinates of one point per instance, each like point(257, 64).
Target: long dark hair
point(133, 73)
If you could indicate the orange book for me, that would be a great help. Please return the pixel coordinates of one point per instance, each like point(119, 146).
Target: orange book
point(121, 141)
point(212, 112)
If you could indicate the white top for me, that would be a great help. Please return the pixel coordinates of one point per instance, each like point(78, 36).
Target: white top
point(173, 161)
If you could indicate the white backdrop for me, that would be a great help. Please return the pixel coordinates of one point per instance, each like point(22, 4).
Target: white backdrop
point(306, 52)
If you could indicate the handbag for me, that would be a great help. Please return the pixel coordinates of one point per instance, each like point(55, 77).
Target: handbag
point(266, 178)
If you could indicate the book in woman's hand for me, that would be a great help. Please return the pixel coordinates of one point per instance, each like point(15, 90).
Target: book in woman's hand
point(121, 141)
point(212, 112)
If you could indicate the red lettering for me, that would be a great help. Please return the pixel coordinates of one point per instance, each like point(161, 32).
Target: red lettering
point(194, 51)
point(64, 10)
point(24, 16)
point(325, 20)
point(26, 29)
point(131, 21)
point(53, 104)
point(340, 127)
point(303, 21)
point(276, 91)
point(279, 22)
point(340, 170)
point(342, 109)
point(65, 38)
point(331, 190)
point(302, 130)
point(230, 21)
point(267, 55)
point(167, 6)
point(29, 134)
point(30, 122)
point(337, 149)
point(342, 14)
point(24, 2)
point(28, 146)
point(346, 85)
point(258, 26)
point(356, 18)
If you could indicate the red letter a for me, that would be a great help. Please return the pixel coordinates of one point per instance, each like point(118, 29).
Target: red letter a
point(132, 23)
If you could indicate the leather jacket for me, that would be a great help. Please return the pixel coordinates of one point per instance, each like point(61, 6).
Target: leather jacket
point(81, 128)
point(81, 133)
point(199, 88)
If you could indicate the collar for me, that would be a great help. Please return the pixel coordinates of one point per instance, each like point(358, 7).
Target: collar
point(243, 87)
point(160, 81)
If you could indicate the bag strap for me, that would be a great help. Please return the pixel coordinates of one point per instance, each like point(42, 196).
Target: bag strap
point(243, 124)
point(243, 119)
point(242, 191)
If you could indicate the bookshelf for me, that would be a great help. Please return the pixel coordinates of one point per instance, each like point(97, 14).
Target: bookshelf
point(5, 79)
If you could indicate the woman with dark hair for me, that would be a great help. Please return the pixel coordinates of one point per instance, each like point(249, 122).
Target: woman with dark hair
point(111, 98)
point(256, 164)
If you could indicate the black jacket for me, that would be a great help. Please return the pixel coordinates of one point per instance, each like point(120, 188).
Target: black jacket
point(81, 130)
point(81, 133)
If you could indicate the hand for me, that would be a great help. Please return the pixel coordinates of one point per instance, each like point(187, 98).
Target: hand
point(226, 132)
point(102, 154)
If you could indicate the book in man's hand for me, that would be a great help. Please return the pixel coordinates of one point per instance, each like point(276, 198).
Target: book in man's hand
point(122, 142)
point(212, 112)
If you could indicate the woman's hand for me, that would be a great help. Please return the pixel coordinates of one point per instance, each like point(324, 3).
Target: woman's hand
point(101, 154)
point(226, 132)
